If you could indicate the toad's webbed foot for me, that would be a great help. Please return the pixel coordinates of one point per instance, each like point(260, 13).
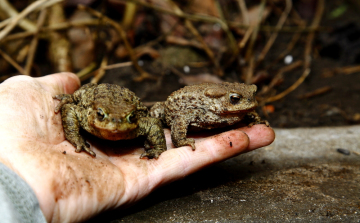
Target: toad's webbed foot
point(256, 119)
point(81, 145)
point(153, 153)
point(184, 142)
point(64, 99)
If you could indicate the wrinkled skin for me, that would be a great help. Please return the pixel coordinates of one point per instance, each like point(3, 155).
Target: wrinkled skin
point(206, 106)
point(110, 112)
point(73, 187)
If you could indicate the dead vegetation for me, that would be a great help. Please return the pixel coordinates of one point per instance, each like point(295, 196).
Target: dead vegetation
point(92, 37)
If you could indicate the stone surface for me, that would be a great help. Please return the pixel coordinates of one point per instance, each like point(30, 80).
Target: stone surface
point(301, 177)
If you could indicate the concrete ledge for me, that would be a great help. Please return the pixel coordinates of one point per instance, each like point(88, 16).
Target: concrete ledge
point(301, 177)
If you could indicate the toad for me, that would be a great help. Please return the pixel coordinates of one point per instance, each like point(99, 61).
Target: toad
point(206, 106)
point(109, 112)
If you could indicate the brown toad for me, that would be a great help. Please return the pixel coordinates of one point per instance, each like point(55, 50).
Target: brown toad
point(110, 112)
point(206, 106)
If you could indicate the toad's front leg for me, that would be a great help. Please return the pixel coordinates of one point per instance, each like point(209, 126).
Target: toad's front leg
point(71, 125)
point(155, 143)
point(179, 129)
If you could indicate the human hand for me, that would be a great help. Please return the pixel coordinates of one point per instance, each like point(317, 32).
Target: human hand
point(75, 186)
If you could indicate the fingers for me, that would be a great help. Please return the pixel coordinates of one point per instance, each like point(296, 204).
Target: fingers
point(60, 83)
point(260, 136)
point(177, 163)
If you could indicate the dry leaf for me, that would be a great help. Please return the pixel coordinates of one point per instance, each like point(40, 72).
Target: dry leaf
point(207, 7)
point(199, 78)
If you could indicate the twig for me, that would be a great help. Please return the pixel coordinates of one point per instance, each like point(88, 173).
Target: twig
point(310, 38)
point(158, 39)
point(211, 19)
point(341, 70)
point(24, 13)
point(231, 38)
point(8, 9)
point(246, 37)
point(273, 36)
point(288, 49)
point(249, 53)
point(122, 34)
point(307, 60)
point(86, 72)
point(53, 27)
point(205, 47)
point(316, 92)
point(244, 11)
point(193, 17)
point(118, 65)
point(288, 29)
point(34, 42)
point(101, 71)
point(250, 70)
point(59, 45)
point(290, 89)
point(5, 22)
point(12, 62)
point(280, 73)
point(129, 15)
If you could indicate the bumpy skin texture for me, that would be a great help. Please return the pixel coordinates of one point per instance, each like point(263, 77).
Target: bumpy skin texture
point(206, 106)
point(110, 112)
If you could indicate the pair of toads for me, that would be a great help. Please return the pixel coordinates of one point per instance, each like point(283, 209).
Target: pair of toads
point(112, 112)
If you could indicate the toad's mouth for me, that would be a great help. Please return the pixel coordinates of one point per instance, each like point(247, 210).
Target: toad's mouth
point(113, 129)
point(239, 111)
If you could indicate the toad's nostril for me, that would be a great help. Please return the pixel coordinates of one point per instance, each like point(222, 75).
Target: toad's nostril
point(115, 120)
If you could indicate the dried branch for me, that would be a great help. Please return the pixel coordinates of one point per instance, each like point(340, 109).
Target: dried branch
point(99, 73)
point(249, 53)
point(53, 27)
point(86, 72)
point(194, 17)
point(307, 53)
point(122, 34)
point(25, 12)
point(10, 11)
point(316, 92)
point(246, 37)
point(34, 42)
point(12, 62)
point(288, 29)
point(280, 74)
point(118, 65)
point(273, 36)
point(244, 11)
point(59, 46)
point(205, 47)
point(310, 38)
point(129, 15)
point(290, 89)
point(231, 38)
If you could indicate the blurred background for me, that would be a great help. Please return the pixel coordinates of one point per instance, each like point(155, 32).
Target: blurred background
point(304, 55)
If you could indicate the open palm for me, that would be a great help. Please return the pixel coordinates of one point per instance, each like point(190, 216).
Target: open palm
point(75, 186)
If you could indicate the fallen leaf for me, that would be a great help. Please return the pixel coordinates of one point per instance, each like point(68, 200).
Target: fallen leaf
point(199, 78)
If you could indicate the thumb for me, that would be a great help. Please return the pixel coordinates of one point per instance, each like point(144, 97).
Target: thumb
point(59, 83)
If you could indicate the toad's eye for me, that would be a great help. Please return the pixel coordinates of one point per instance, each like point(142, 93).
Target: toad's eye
point(101, 114)
point(130, 118)
point(234, 98)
